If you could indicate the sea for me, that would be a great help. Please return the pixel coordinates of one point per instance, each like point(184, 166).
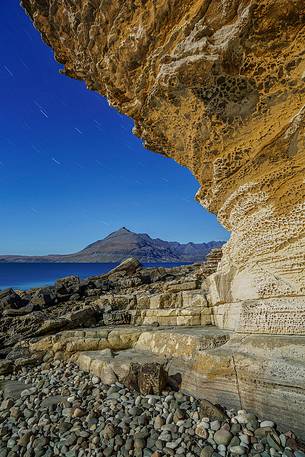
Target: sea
point(23, 276)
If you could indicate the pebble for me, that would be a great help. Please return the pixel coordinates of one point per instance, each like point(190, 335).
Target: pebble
point(93, 420)
point(223, 437)
point(215, 425)
point(267, 424)
point(237, 450)
point(207, 451)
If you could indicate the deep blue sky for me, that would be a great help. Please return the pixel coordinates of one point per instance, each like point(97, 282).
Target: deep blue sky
point(71, 170)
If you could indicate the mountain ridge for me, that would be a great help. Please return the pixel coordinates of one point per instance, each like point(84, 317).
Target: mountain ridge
point(124, 243)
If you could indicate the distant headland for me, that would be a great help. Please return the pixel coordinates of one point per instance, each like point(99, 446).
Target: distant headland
point(122, 244)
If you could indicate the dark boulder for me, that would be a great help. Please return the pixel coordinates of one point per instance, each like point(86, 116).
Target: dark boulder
point(103, 285)
point(151, 275)
point(117, 318)
point(14, 329)
point(22, 356)
point(45, 296)
point(12, 312)
point(9, 299)
point(68, 286)
point(85, 317)
point(6, 367)
point(4, 352)
point(148, 379)
point(214, 412)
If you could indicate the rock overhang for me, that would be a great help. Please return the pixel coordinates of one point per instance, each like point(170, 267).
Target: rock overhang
point(219, 87)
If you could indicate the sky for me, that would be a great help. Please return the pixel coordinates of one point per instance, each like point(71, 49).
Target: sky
point(71, 171)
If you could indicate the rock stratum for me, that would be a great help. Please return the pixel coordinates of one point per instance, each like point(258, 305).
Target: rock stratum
point(219, 87)
point(123, 243)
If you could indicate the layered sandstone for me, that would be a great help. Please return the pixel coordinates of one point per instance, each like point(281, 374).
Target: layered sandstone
point(219, 87)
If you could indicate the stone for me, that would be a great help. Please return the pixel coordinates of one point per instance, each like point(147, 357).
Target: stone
point(273, 443)
point(215, 425)
point(13, 389)
point(149, 378)
point(6, 367)
point(78, 412)
point(299, 453)
point(44, 297)
point(109, 431)
point(207, 451)
point(25, 439)
point(139, 443)
point(9, 299)
point(201, 431)
point(264, 424)
point(159, 422)
point(223, 437)
point(263, 431)
point(237, 450)
point(120, 317)
point(213, 412)
point(12, 312)
point(128, 266)
point(68, 285)
point(52, 325)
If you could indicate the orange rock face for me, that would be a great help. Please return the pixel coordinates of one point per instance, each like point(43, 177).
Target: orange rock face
point(219, 86)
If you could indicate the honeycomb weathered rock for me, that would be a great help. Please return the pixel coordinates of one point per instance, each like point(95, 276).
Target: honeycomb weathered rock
point(219, 87)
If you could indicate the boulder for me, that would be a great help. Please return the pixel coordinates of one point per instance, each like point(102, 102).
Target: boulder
point(54, 400)
point(214, 412)
point(151, 275)
point(103, 285)
point(12, 312)
point(6, 367)
point(52, 326)
point(9, 299)
point(148, 379)
point(68, 285)
point(85, 317)
point(13, 389)
point(117, 318)
point(44, 296)
point(22, 356)
point(128, 267)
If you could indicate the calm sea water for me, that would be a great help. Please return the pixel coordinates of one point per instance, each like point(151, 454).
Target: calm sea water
point(28, 275)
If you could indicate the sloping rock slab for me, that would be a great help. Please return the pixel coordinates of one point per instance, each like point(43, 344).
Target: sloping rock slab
point(13, 389)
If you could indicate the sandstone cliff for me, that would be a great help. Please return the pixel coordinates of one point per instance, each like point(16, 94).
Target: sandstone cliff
point(219, 87)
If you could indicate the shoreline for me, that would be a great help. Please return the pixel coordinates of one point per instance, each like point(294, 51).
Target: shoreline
point(51, 272)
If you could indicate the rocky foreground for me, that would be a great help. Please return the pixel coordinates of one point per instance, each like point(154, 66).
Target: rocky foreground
point(56, 409)
point(117, 297)
point(101, 367)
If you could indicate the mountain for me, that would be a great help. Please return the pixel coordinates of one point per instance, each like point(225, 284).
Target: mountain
point(122, 244)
